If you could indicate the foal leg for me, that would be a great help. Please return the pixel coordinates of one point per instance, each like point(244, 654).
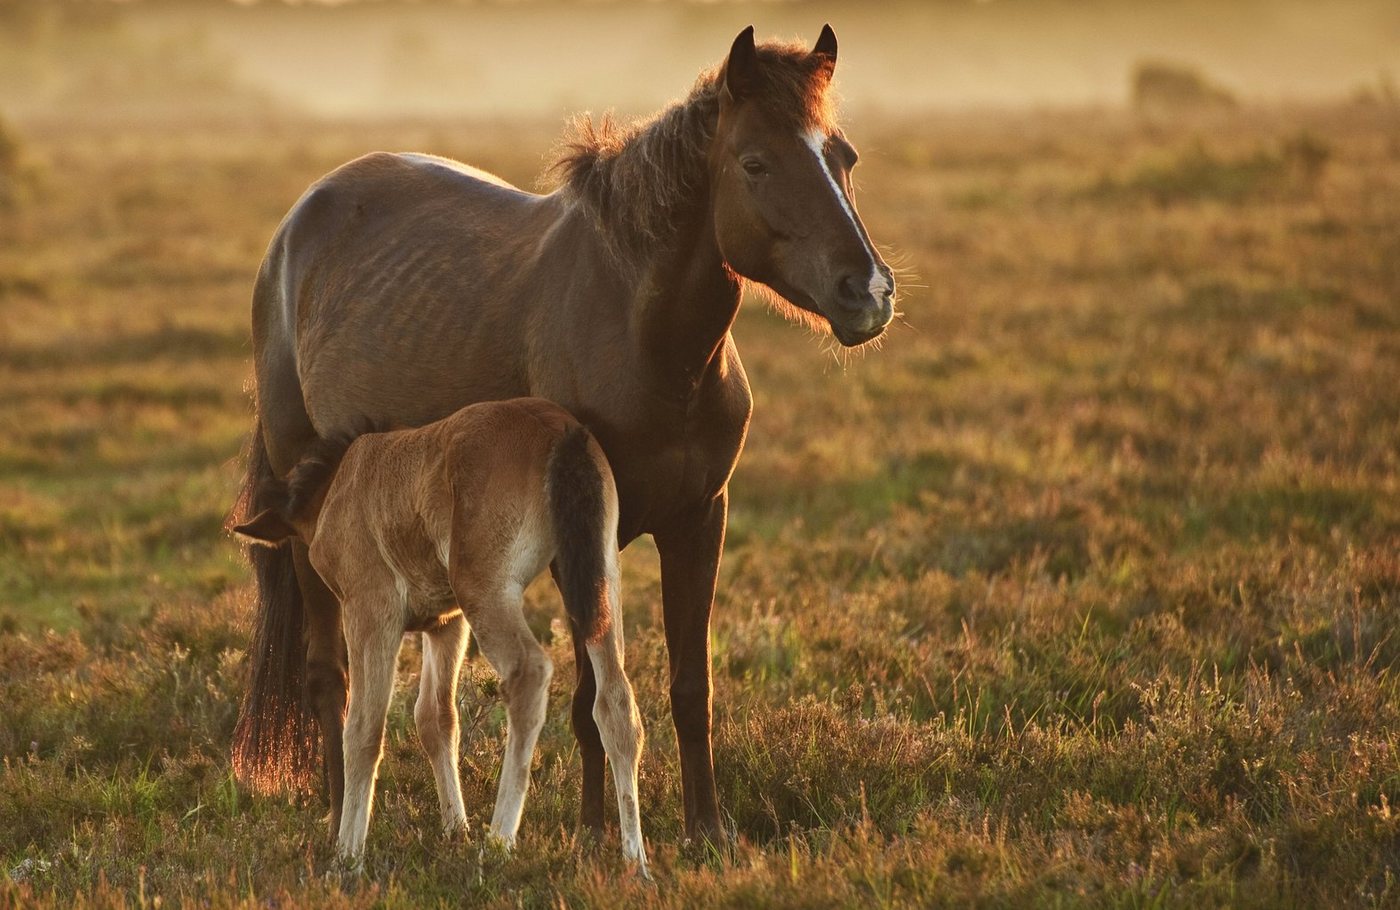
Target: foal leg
point(620, 724)
point(524, 670)
point(373, 639)
point(436, 714)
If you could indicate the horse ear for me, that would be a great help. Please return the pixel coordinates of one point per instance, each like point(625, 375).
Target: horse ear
point(741, 65)
point(826, 44)
point(266, 528)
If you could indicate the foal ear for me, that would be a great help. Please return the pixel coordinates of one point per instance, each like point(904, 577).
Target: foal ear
point(266, 528)
point(826, 45)
point(741, 66)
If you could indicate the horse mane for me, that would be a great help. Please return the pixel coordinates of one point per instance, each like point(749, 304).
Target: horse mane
point(636, 178)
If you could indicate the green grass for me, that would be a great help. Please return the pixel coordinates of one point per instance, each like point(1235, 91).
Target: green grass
point(1082, 591)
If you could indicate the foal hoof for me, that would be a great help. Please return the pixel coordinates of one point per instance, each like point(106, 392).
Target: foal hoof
point(494, 845)
point(346, 869)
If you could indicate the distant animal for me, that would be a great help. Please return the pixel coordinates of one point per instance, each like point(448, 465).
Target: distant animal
point(439, 530)
point(404, 286)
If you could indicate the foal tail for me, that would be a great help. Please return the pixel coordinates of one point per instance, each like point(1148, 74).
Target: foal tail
point(583, 513)
point(277, 739)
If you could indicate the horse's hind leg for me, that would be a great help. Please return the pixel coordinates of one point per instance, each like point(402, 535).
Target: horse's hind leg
point(374, 641)
point(620, 724)
point(436, 714)
point(325, 674)
point(524, 670)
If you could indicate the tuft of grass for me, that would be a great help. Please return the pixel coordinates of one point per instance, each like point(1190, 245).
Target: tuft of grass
point(1296, 167)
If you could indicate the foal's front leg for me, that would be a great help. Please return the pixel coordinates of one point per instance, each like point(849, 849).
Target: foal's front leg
point(373, 634)
point(436, 714)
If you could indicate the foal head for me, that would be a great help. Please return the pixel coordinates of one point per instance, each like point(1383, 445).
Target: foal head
point(291, 507)
point(780, 178)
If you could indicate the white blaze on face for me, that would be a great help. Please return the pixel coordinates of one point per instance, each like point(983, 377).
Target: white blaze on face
point(816, 140)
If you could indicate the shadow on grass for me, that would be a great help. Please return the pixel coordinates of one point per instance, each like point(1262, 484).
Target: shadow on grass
point(169, 342)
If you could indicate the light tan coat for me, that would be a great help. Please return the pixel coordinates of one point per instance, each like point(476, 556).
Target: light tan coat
point(439, 530)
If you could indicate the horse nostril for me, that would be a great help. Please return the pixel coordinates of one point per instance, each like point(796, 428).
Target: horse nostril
point(855, 292)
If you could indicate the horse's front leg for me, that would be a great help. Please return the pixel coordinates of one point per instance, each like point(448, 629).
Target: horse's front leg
point(690, 549)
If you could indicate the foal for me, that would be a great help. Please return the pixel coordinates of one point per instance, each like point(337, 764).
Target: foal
point(439, 530)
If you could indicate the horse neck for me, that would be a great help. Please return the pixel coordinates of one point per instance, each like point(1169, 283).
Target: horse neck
point(686, 299)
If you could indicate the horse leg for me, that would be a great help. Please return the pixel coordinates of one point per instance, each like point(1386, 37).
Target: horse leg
point(590, 743)
point(325, 675)
point(524, 670)
point(690, 551)
point(620, 724)
point(436, 714)
point(374, 641)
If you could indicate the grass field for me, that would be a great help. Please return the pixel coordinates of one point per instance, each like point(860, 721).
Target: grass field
point(1082, 591)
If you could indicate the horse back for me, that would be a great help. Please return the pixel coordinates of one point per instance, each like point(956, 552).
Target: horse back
point(383, 282)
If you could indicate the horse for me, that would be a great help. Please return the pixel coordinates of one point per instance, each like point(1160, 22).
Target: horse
point(439, 530)
point(401, 287)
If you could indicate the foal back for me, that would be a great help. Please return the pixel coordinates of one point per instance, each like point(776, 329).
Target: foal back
point(463, 496)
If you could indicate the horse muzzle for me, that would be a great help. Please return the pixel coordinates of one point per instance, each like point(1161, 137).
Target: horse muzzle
point(860, 306)
point(856, 320)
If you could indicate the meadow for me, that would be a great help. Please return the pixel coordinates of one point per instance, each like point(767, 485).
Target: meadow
point(1080, 591)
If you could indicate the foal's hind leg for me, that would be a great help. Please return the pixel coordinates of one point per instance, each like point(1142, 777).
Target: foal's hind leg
point(436, 714)
point(373, 635)
point(524, 670)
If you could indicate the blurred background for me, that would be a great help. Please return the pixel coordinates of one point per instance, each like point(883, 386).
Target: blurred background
point(522, 58)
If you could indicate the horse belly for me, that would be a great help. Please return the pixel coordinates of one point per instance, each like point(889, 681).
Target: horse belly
point(409, 354)
point(408, 381)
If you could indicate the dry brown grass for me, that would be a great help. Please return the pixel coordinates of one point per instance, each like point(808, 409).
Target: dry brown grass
point(1082, 591)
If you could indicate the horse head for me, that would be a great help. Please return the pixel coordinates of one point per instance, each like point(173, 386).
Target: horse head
point(780, 178)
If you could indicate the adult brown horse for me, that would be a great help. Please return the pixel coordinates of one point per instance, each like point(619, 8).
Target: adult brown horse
point(402, 287)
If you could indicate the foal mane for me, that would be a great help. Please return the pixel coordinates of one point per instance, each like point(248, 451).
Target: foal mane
point(635, 179)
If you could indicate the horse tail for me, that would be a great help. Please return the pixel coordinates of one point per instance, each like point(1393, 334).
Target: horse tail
point(583, 515)
point(276, 743)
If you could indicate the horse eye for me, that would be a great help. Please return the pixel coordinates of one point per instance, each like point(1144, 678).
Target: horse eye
point(753, 167)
